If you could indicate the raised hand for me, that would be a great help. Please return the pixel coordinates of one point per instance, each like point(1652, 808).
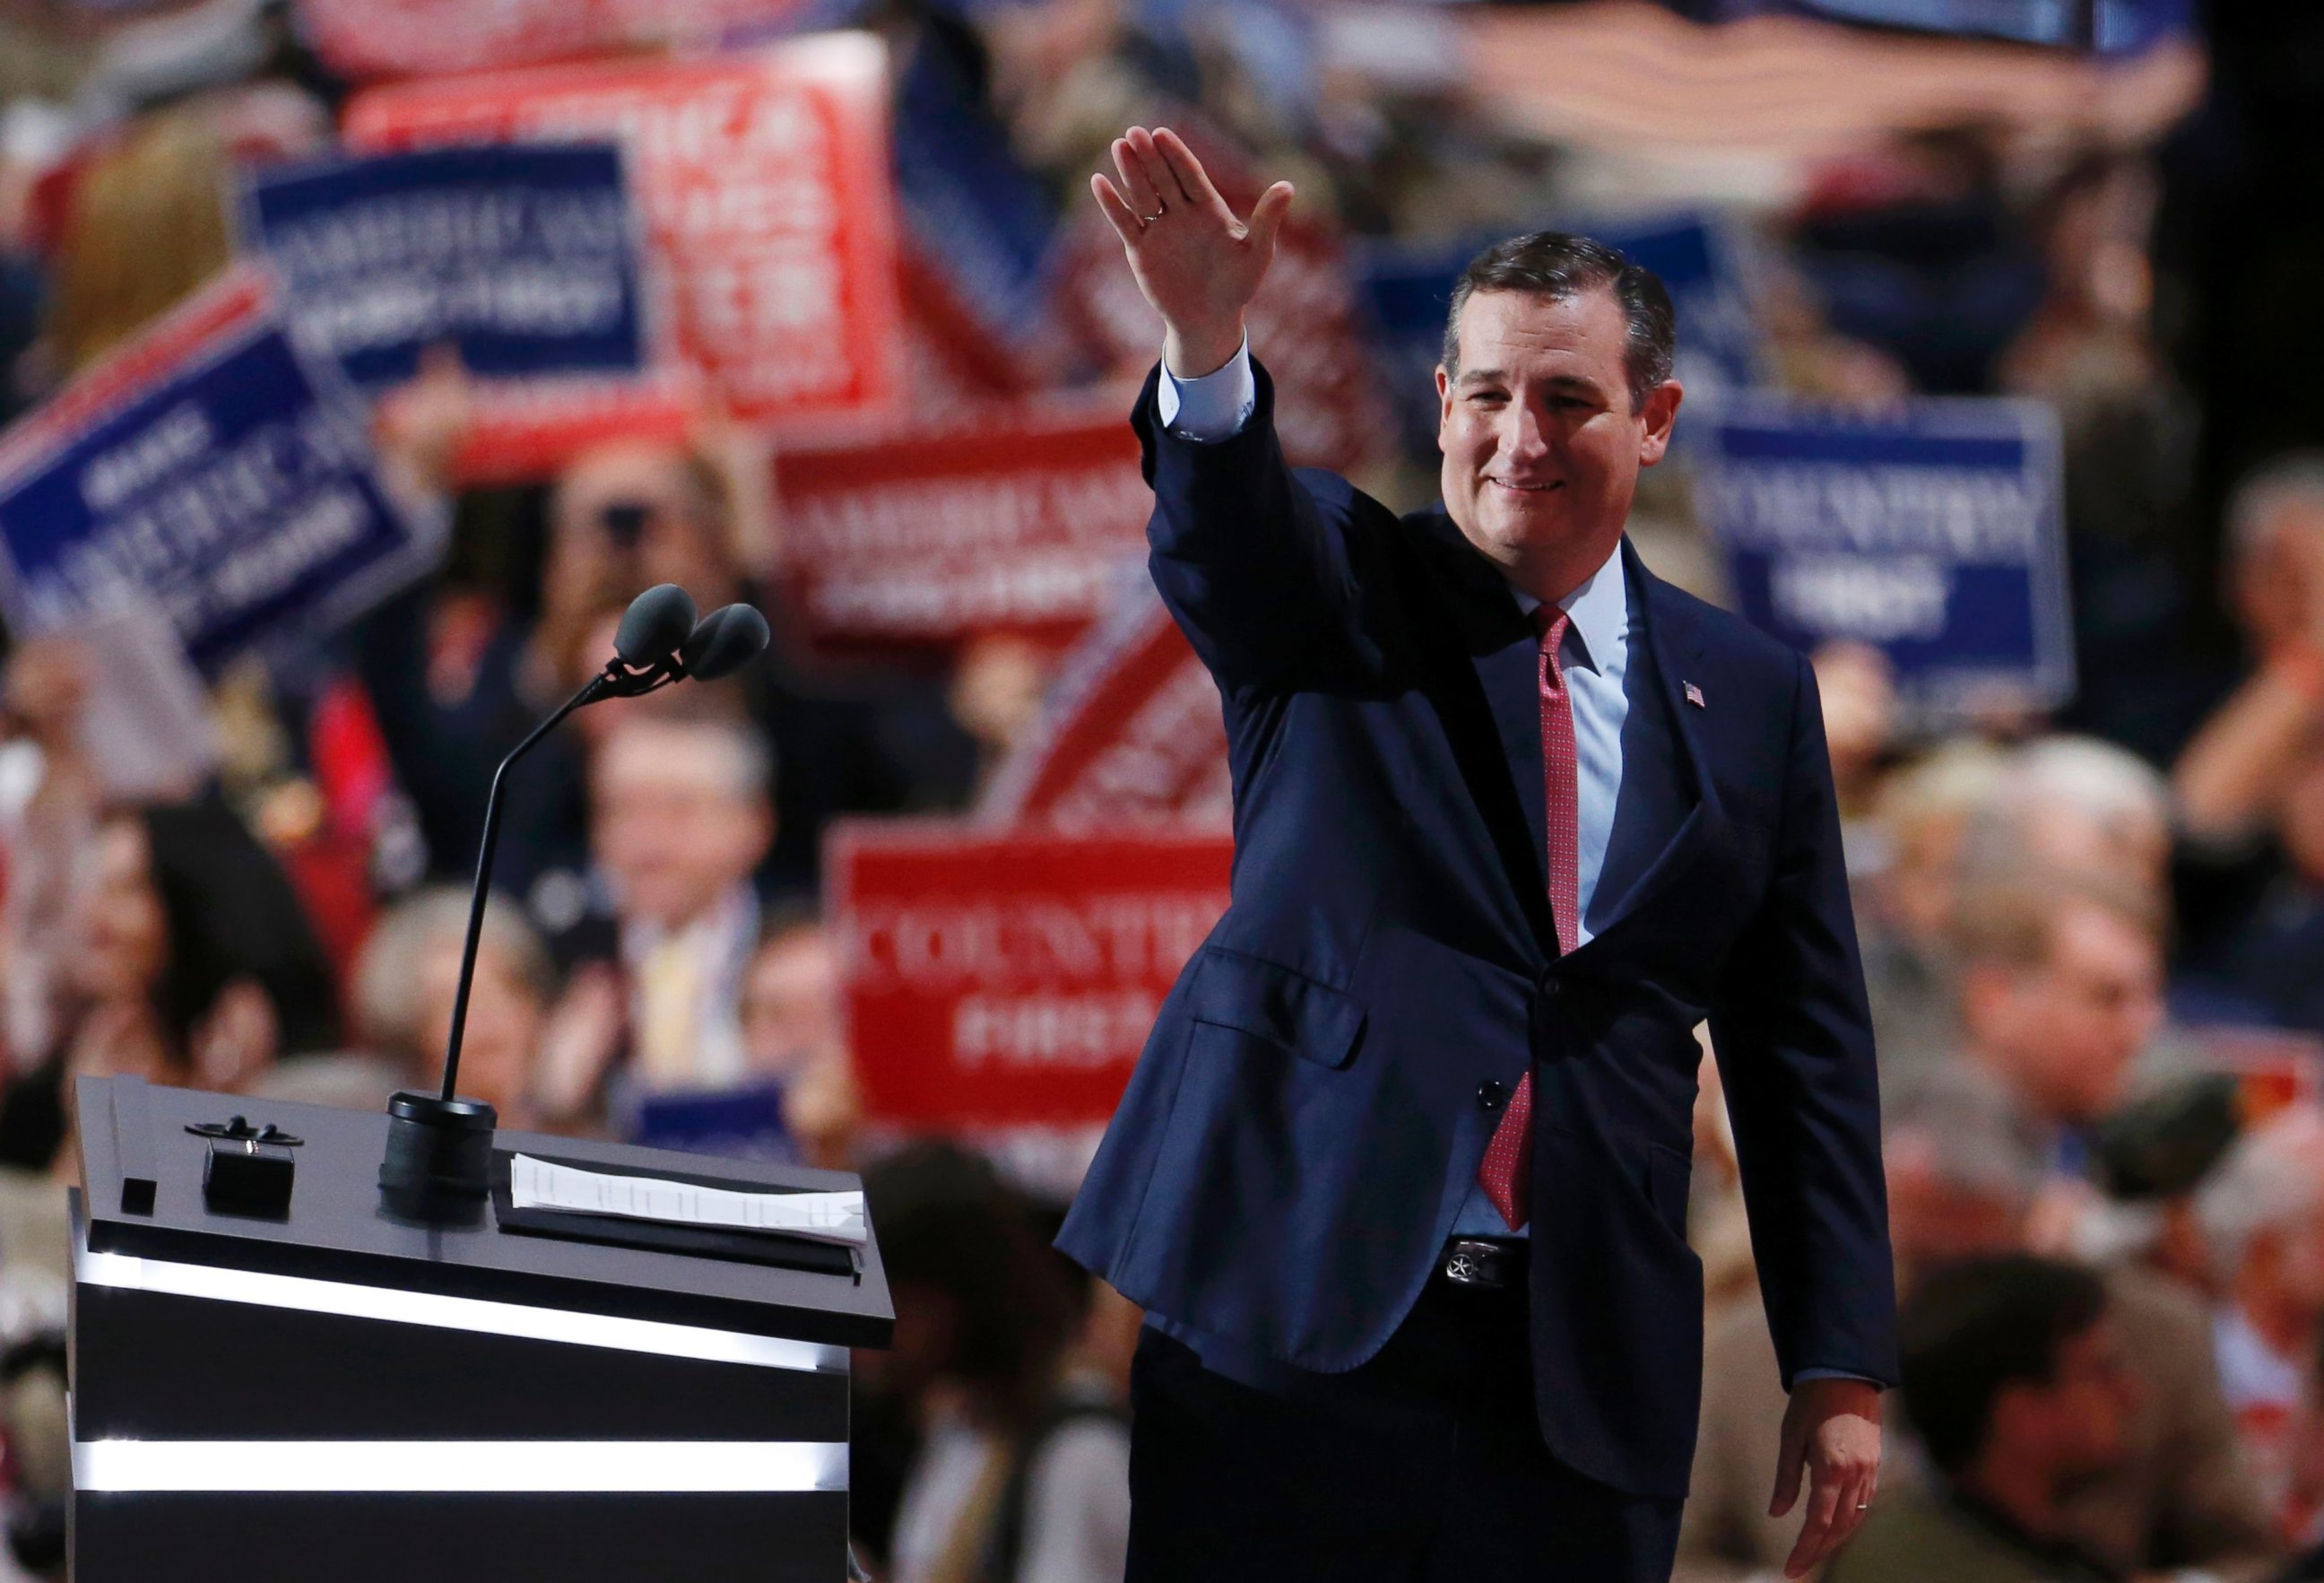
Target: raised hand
point(1198, 265)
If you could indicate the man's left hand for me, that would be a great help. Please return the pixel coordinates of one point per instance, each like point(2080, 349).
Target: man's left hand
point(1832, 1430)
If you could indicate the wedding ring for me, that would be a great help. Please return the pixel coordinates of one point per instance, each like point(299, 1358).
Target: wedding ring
point(1864, 1505)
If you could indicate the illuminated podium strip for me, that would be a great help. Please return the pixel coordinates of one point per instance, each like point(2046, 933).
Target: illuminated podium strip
point(459, 1466)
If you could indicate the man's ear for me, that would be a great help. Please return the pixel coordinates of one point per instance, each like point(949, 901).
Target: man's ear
point(1659, 415)
point(1443, 402)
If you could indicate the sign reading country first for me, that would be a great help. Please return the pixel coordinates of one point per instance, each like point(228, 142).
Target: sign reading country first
point(205, 467)
point(524, 255)
point(1934, 533)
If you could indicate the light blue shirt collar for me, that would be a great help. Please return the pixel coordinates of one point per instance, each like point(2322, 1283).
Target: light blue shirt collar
point(1600, 610)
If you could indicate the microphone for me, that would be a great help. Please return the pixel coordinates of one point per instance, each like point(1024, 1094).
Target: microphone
point(727, 639)
point(438, 1166)
point(656, 623)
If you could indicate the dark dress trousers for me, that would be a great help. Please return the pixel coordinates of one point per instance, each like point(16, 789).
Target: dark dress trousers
point(1311, 1108)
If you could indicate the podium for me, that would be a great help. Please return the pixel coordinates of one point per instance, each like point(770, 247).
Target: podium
point(339, 1393)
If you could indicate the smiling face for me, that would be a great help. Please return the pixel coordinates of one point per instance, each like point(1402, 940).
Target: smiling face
point(1542, 446)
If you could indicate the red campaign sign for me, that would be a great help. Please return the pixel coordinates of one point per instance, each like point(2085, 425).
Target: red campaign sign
point(764, 183)
point(1303, 327)
point(1023, 521)
point(367, 38)
point(1132, 734)
point(1009, 979)
point(519, 431)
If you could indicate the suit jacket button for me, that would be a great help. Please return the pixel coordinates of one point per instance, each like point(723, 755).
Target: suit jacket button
point(1492, 1095)
point(1549, 986)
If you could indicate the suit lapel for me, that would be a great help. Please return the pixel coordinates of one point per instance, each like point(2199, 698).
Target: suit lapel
point(1496, 705)
point(1674, 642)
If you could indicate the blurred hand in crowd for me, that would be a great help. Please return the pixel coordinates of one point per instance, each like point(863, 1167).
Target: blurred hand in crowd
point(2230, 779)
point(794, 1028)
point(417, 429)
point(1858, 688)
point(580, 1043)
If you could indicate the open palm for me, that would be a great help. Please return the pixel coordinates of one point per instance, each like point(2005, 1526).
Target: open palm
point(1197, 264)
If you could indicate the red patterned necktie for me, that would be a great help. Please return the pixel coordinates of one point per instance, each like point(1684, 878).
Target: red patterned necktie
point(1507, 1165)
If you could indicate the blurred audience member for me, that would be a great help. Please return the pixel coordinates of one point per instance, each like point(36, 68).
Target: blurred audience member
point(794, 1029)
point(1905, 903)
point(2059, 989)
point(190, 963)
point(996, 696)
point(1858, 689)
point(2178, 1497)
point(408, 976)
point(2075, 807)
point(2273, 962)
point(981, 1308)
point(2262, 1213)
point(2234, 777)
point(1065, 1518)
point(681, 817)
point(2018, 1391)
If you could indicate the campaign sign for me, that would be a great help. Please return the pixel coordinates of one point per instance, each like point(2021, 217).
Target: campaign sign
point(744, 1122)
point(1132, 733)
point(978, 217)
point(1019, 524)
point(1009, 979)
point(207, 468)
point(1934, 533)
point(523, 256)
point(764, 185)
point(364, 39)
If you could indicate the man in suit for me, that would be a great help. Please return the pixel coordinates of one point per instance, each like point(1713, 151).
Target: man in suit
point(1402, 1175)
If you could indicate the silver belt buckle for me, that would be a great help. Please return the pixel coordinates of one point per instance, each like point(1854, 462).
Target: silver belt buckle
point(1469, 1263)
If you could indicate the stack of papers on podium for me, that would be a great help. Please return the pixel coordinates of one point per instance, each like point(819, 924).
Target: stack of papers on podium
point(542, 1184)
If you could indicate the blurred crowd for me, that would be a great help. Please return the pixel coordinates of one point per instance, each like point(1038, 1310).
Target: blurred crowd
point(2094, 940)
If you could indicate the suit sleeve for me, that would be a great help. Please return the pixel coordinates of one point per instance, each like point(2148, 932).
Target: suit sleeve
point(1262, 569)
point(1794, 1038)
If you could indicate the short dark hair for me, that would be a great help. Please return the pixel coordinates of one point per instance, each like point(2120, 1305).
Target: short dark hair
point(1558, 266)
point(1972, 1329)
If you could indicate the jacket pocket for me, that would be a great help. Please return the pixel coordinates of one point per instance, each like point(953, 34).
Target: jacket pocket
point(1309, 1018)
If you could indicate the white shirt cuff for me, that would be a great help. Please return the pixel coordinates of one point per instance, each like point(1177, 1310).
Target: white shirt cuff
point(1214, 406)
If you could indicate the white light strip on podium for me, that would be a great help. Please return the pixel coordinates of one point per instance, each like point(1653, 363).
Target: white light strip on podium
point(463, 1466)
point(351, 1301)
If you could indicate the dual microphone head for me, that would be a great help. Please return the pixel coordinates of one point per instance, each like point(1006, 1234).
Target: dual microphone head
point(659, 642)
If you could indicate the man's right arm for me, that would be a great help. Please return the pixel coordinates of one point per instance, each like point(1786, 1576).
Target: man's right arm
point(1258, 568)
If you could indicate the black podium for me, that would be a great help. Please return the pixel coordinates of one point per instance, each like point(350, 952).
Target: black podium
point(337, 1394)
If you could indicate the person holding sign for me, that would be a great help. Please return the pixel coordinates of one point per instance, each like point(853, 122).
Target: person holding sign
point(1402, 1175)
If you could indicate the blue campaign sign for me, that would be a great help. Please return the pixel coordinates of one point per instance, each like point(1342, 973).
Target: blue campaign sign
point(1720, 346)
point(1935, 534)
point(525, 255)
point(970, 203)
point(739, 1124)
point(207, 468)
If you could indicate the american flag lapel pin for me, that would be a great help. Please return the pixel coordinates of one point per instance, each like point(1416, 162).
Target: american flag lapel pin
point(1694, 695)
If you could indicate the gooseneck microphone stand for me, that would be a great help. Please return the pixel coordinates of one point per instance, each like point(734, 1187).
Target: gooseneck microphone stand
point(437, 1165)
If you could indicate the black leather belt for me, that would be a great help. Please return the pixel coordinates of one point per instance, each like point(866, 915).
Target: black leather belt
point(1483, 1265)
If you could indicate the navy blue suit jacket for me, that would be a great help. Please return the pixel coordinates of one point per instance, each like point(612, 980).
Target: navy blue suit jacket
point(1318, 1088)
